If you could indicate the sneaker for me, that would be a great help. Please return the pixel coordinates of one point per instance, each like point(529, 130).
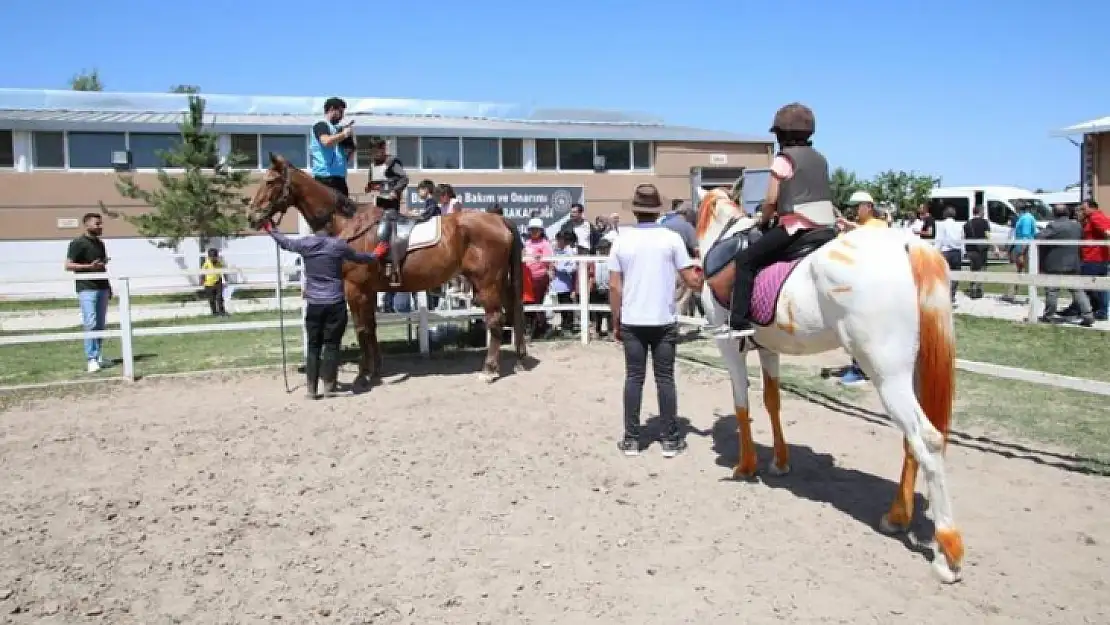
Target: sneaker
point(672, 448)
point(629, 446)
point(1087, 322)
point(853, 377)
point(94, 365)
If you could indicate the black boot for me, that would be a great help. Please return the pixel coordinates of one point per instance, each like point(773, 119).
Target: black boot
point(741, 299)
point(312, 373)
point(329, 369)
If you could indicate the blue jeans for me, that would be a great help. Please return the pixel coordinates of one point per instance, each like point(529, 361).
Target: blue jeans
point(1099, 299)
point(94, 311)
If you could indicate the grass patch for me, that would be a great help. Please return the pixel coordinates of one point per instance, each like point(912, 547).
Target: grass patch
point(1063, 350)
point(1062, 418)
point(62, 303)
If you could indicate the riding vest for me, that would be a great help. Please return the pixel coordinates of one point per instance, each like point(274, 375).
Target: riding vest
point(807, 192)
point(383, 177)
point(327, 161)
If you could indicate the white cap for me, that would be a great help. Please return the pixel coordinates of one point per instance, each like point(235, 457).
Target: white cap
point(535, 222)
point(859, 197)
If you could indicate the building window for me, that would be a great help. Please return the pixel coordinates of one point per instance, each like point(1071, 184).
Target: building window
point(547, 154)
point(481, 153)
point(641, 155)
point(512, 154)
point(439, 152)
point(362, 152)
point(576, 154)
point(7, 149)
point(93, 150)
point(618, 154)
point(48, 150)
point(245, 147)
point(407, 150)
point(145, 148)
point(293, 147)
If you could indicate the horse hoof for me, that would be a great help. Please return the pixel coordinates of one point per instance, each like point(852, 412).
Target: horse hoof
point(744, 474)
point(945, 573)
point(890, 528)
point(779, 471)
point(487, 377)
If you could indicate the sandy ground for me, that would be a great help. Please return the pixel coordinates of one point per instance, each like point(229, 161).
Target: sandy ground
point(435, 499)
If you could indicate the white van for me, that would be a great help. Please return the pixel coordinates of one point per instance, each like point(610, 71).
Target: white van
point(1068, 197)
point(1002, 204)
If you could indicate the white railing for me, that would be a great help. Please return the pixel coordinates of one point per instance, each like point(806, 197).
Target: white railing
point(423, 318)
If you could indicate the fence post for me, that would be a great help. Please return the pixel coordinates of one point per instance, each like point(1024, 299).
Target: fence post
point(422, 322)
point(584, 301)
point(127, 349)
point(1034, 271)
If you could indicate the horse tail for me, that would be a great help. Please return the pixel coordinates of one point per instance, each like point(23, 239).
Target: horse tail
point(936, 353)
point(514, 303)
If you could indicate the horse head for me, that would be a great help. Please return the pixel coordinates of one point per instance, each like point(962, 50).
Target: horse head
point(284, 186)
point(716, 211)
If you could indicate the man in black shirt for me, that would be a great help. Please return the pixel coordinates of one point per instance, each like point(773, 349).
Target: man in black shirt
point(976, 228)
point(87, 254)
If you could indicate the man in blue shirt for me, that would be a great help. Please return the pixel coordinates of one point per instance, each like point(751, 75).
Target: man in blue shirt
point(1025, 229)
point(332, 147)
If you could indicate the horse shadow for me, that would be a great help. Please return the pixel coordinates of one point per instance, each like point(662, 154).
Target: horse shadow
point(402, 361)
point(815, 476)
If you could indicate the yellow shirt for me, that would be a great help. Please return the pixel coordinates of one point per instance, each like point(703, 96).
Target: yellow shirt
point(875, 222)
point(212, 279)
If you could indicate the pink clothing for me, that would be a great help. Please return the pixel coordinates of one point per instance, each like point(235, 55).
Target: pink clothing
point(452, 206)
point(782, 168)
point(540, 248)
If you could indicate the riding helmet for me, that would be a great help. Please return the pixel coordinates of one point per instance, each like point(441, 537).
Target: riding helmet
point(794, 117)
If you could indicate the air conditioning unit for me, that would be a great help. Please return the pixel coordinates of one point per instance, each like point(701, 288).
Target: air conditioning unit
point(599, 163)
point(121, 159)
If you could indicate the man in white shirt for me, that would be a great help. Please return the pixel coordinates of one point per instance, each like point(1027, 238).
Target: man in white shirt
point(950, 241)
point(644, 263)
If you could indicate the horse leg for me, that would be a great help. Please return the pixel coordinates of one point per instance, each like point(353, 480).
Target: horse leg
point(772, 400)
point(489, 293)
point(900, 515)
point(363, 307)
point(737, 365)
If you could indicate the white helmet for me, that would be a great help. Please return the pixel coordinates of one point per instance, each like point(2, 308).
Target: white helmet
point(535, 222)
point(860, 197)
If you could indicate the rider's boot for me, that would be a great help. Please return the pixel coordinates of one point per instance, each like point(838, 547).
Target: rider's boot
point(329, 369)
point(312, 373)
point(738, 325)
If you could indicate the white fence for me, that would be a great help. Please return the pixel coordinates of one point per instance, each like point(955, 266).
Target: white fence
point(423, 318)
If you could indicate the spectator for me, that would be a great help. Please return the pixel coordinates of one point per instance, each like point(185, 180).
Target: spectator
point(87, 254)
point(1024, 229)
point(949, 240)
point(1062, 260)
point(599, 288)
point(536, 247)
point(681, 222)
point(584, 231)
point(563, 281)
point(1094, 259)
point(214, 282)
point(977, 228)
point(643, 267)
point(924, 226)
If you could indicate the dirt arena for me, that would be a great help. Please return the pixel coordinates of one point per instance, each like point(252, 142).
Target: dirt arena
point(435, 499)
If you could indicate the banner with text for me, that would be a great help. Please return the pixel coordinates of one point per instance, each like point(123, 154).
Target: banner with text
point(519, 202)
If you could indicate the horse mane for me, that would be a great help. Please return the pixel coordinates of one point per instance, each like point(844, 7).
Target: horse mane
point(707, 211)
point(345, 205)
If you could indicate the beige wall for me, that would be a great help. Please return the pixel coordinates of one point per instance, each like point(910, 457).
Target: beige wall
point(32, 203)
point(1101, 182)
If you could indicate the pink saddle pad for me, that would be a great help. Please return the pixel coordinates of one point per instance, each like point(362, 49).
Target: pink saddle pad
point(765, 294)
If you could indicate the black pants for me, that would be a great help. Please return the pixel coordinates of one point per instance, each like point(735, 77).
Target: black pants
point(955, 263)
point(338, 183)
point(215, 295)
point(325, 325)
point(566, 317)
point(977, 260)
point(661, 342)
point(764, 251)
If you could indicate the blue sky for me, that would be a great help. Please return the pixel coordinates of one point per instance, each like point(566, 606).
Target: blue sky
point(965, 90)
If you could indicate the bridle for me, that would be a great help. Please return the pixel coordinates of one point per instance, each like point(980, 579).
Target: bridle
point(280, 204)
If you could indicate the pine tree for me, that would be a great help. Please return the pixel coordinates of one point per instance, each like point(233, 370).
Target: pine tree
point(205, 201)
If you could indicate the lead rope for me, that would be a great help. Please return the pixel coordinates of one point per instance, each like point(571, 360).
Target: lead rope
point(281, 320)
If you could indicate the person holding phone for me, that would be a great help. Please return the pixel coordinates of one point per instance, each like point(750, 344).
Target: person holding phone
point(332, 147)
point(87, 254)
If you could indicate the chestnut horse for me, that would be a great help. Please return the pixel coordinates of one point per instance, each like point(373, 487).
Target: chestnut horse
point(481, 246)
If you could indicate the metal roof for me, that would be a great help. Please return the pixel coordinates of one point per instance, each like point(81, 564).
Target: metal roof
point(1101, 124)
point(22, 109)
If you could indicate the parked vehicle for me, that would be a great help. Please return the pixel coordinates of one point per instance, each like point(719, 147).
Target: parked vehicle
point(1002, 204)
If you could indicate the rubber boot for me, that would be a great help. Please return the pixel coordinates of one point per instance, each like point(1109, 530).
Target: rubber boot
point(312, 373)
point(329, 370)
point(741, 300)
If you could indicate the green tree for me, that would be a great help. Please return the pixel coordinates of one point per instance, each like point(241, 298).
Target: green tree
point(843, 184)
point(86, 81)
point(905, 191)
point(192, 89)
point(205, 200)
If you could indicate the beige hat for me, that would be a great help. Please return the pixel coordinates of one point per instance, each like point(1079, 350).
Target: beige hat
point(860, 197)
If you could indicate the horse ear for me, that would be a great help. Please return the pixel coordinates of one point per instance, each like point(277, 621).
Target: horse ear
point(277, 161)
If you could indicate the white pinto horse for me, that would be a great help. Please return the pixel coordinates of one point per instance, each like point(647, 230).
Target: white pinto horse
point(884, 297)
